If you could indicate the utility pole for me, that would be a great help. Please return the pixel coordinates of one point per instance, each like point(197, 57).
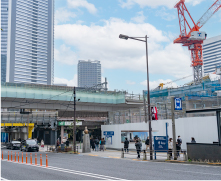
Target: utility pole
point(74, 128)
point(55, 130)
point(148, 97)
point(173, 127)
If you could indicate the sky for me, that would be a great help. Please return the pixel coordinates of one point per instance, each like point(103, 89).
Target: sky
point(89, 30)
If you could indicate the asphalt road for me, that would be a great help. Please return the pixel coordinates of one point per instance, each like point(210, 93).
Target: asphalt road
point(78, 167)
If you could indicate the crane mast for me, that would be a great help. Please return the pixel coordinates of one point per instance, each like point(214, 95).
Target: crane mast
point(192, 37)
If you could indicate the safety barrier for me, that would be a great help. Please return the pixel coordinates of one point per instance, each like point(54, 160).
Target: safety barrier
point(31, 158)
point(35, 158)
point(40, 159)
point(46, 160)
point(16, 158)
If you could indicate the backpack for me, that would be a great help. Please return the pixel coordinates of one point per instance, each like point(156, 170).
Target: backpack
point(96, 142)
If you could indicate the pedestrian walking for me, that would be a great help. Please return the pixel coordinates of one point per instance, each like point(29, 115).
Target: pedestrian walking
point(93, 144)
point(58, 142)
point(96, 141)
point(179, 140)
point(42, 143)
point(91, 140)
point(138, 148)
point(126, 145)
point(170, 148)
point(178, 149)
point(147, 143)
point(193, 140)
point(102, 144)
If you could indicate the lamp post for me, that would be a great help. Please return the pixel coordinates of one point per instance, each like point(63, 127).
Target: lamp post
point(125, 37)
point(74, 127)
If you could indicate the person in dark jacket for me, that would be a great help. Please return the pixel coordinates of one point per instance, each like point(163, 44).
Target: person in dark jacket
point(138, 148)
point(92, 144)
point(96, 142)
point(193, 140)
point(126, 145)
point(147, 143)
point(178, 149)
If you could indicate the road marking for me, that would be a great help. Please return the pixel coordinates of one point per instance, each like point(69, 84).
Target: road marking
point(192, 172)
point(98, 176)
point(3, 178)
point(92, 155)
point(113, 157)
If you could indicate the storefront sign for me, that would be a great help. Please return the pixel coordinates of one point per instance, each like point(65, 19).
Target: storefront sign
point(68, 123)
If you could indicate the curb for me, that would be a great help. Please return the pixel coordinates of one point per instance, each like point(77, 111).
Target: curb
point(198, 163)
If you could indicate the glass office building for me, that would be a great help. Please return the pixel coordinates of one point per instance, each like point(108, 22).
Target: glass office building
point(89, 73)
point(29, 41)
point(211, 54)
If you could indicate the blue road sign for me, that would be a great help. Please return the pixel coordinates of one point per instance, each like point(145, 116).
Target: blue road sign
point(160, 144)
point(109, 133)
point(178, 104)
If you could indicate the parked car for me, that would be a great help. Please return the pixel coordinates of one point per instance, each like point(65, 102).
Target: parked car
point(13, 145)
point(29, 145)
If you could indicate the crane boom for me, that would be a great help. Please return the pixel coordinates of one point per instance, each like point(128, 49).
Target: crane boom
point(209, 13)
point(193, 38)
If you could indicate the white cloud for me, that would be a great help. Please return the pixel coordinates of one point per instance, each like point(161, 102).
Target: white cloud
point(155, 3)
point(130, 82)
point(155, 84)
point(165, 15)
point(62, 15)
point(139, 18)
point(82, 3)
point(102, 43)
point(65, 55)
point(72, 82)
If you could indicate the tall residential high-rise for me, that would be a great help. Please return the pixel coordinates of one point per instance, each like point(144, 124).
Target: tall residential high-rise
point(4, 33)
point(211, 54)
point(89, 73)
point(30, 41)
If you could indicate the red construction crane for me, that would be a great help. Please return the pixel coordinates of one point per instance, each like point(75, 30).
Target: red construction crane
point(192, 37)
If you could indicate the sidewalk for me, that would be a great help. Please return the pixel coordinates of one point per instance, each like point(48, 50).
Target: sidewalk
point(132, 155)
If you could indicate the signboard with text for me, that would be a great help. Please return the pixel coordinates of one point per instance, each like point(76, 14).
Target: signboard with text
point(160, 143)
point(109, 133)
point(178, 103)
point(68, 123)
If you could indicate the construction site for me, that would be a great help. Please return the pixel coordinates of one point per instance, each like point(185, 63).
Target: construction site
point(203, 92)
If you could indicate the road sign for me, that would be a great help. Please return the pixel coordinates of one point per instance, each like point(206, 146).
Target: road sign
point(177, 104)
point(160, 143)
point(109, 133)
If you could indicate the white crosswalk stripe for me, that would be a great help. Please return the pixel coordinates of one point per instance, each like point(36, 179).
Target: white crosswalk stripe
point(97, 176)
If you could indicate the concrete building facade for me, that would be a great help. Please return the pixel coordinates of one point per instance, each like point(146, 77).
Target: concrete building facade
point(89, 73)
point(211, 54)
point(29, 41)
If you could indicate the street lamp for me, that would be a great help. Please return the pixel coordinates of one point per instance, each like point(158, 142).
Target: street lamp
point(125, 37)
